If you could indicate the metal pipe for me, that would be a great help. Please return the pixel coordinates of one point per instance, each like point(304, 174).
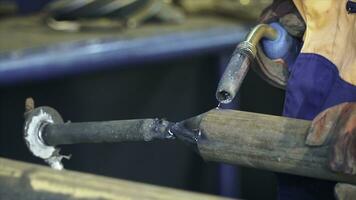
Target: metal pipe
point(108, 131)
point(261, 31)
point(84, 56)
point(259, 141)
point(240, 61)
point(248, 139)
point(44, 130)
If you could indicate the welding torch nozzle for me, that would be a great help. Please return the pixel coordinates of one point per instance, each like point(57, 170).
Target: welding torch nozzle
point(240, 61)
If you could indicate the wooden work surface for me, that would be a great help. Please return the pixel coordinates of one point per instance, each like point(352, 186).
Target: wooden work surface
point(30, 31)
point(19, 180)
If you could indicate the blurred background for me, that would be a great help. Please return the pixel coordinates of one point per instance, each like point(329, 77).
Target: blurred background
point(125, 59)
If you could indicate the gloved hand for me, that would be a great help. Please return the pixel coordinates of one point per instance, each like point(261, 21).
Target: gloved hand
point(284, 12)
point(336, 126)
point(275, 56)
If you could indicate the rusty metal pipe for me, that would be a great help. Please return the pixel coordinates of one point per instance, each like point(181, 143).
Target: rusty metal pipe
point(44, 130)
point(259, 141)
point(107, 131)
point(240, 61)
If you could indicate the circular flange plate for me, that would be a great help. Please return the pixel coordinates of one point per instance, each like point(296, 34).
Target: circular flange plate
point(36, 119)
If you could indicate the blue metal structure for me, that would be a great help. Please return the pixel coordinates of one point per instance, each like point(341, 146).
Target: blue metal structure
point(77, 57)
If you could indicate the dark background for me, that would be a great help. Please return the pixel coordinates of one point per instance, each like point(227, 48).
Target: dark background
point(173, 89)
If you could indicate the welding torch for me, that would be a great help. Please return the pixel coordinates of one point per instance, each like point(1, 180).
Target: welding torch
point(262, 50)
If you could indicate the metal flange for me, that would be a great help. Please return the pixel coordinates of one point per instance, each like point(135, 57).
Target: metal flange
point(36, 119)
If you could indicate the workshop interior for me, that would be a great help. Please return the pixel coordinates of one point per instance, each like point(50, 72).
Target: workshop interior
point(166, 99)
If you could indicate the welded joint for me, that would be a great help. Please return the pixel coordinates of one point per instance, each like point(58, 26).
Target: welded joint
point(157, 129)
point(188, 131)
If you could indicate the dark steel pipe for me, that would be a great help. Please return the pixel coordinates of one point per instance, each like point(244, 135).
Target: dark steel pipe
point(108, 131)
point(44, 130)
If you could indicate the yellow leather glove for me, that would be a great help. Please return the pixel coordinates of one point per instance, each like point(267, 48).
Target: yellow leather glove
point(330, 32)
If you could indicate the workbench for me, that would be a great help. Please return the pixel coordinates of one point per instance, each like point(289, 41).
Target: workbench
point(20, 180)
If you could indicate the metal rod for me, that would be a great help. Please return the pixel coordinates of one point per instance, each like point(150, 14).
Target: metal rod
point(44, 130)
point(261, 31)
point(108, 131)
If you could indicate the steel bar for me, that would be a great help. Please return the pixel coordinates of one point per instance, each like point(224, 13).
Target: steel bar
point(259, 141)
point(109, 131)
point(19, 180)
point(44, 130)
